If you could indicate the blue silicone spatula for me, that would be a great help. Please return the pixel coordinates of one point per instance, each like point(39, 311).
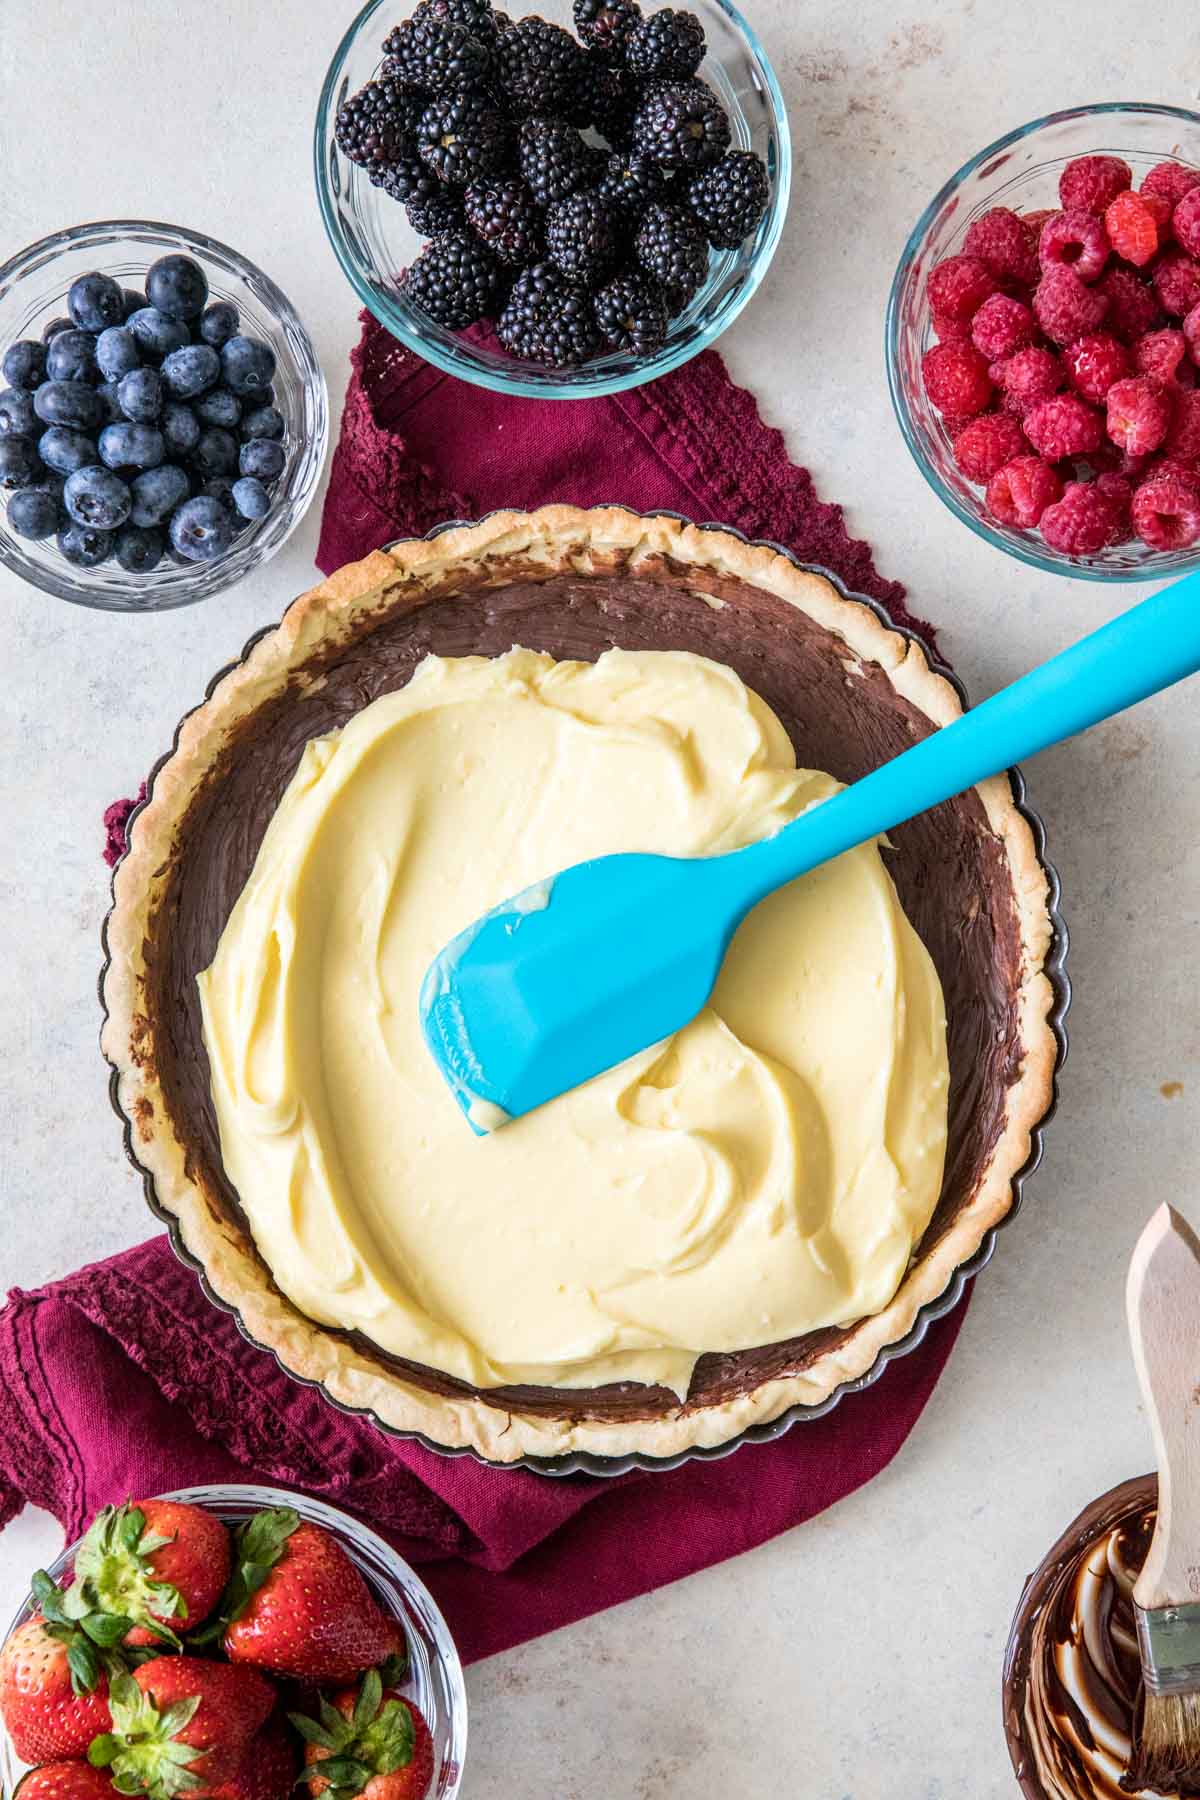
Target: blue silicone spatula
point(573, 976)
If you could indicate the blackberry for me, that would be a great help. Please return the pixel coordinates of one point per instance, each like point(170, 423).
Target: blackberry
point(552, 158)
point(454, 280)
point(434, 55)
point(604, 25)
point(537, 68)
point(378, 125)
point(730, 197)
point(682, 125)
point(671, 246)
point(632, 313)
point(461, 137)
point(507, 217)
point(668, 46)
point(582, 236)
point(434, 214)
point(632, 183)
point(408, 180)
point(608, 99)
point(475, 16)
point(548, 319)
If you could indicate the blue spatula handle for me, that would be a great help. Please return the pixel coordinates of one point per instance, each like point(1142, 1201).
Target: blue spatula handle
point(1146, 649)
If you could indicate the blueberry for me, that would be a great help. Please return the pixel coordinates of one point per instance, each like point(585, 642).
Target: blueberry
point(190, 370)
point(54, 327)
point(131, 446)
point(202, 529)
point(84, 545)
point(139, 550)
point(117, 352)
point(24, 364)
point(219, 407)
point(34, 513)
point(20, 464)
point(177, 286)
point(216, 453)
point(95, 496)
point(156, 334)
point(110, 402)
point(180, 428)
point(140, 394)
point(133, 301)
point(220, 487)
point(157, 493)
point(16, 412)
point(263, 422)
point(262, 458)
point(71, 356)
point(95, 301)
point(71, 403)
point(219, 324)
point(248, 364)
point(251, 498)
point(65, 451)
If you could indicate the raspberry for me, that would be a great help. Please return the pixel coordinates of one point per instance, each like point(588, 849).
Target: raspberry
point(1003, 241)
point(1075, 239)
point(1183, 439)
point(1160, 353)
point(1020, 492)
point(958, 287)
point(1001, 327)
point(984, 445)
point(956, 379)
point(1090, 183)
point(1064, 426)
point(1094, 363)
point(1191, 332)
point(1085, 520)
point(1161, 209)
point(1132, 229)
point(1166, 510)
point(1027, 378)
point(1132, 307)
point(1065, 306)
point(1177, 282)
point(1171, 180)
point(1139, 414)
point(1185, 222)
point(1033, 222)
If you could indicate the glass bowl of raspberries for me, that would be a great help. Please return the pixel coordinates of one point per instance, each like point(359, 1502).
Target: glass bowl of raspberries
point(163, 416)
point(1043, 342)
point(563, 204)
point(223, 1640)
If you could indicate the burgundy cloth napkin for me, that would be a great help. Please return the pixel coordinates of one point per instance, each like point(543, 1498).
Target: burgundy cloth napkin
point(123, 1379)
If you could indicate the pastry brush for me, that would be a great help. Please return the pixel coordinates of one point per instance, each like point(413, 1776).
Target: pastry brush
point(1163, 1304)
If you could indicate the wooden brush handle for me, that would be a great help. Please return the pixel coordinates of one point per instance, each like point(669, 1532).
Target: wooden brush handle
point(1162, 1299)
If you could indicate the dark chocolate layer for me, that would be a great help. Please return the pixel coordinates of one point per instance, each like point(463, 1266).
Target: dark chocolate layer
point(949, 869)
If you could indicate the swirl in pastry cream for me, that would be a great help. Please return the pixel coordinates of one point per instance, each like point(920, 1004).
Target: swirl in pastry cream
point(1073, 1674)
point(765, 1172)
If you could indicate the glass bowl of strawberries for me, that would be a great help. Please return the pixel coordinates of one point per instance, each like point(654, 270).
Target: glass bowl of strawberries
point(1043, 342)
point(216, 1642)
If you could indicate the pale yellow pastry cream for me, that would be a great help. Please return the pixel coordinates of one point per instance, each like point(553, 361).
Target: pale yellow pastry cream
point(765, 1172)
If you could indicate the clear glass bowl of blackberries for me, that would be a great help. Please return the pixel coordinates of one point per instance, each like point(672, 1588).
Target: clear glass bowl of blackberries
point(563, 204)
point(163, 416)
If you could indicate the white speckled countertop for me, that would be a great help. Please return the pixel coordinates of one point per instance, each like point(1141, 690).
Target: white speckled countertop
point(858, 1657)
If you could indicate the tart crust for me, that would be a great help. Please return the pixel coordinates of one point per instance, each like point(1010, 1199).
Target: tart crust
point(556, 540)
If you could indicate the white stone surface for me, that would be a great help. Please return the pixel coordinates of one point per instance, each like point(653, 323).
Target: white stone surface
point(857, 1658)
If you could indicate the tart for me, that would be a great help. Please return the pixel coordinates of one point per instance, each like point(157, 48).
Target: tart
point(850, 693)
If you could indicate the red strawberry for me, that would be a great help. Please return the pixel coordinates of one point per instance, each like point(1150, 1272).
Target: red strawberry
point(180, 1724)
point(266, 1769)
point(374, 1743)
point(65, 1781)
point(160, 1564)
point(45, 1697)
point(307, 1612)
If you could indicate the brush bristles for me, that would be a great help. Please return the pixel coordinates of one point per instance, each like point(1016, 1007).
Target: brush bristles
point(1166, 1754)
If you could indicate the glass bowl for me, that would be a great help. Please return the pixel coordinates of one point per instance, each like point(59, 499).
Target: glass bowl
point(434, 1682)
point(374, 242)
point(1019, 171)
point(33, 290)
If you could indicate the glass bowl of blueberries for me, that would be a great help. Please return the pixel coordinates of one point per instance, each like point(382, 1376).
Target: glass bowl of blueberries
point(560, 205)
point(163, 416)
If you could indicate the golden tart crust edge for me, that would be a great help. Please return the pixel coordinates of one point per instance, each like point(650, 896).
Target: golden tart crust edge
point(556, 539)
